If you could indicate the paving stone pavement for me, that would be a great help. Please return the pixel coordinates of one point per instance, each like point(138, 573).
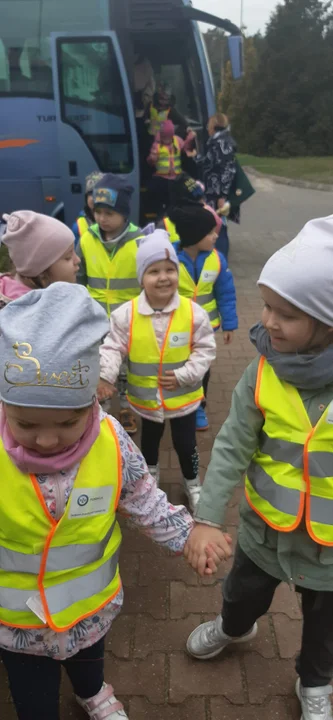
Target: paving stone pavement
point(164, 599)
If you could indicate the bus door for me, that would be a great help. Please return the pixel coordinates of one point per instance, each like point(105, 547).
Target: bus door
point(94, 115)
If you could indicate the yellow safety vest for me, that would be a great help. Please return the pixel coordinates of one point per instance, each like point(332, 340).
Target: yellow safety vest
point(171, 229)
point(112, 281)
point(82, 224)
point(169, 158)
point(146, 362)
point(156, 119)
point(203, 292)
point(291, 473)
point(69, 566)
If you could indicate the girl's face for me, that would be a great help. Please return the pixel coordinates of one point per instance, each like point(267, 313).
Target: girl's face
point(290, 329)
point(160, 283)
point(90, 201)
point(111, 222)
point(47, 432)
point(208, 242)
point(64, 270)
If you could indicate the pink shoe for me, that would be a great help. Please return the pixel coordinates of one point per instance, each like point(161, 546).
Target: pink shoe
point(104, 706)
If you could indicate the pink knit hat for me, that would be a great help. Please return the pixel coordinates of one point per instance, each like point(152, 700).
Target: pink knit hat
point(167, 128)
point(35, 241)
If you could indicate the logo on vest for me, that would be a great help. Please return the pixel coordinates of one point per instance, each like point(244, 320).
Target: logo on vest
point(209, 275)
point(87, 502)
point(179, 339)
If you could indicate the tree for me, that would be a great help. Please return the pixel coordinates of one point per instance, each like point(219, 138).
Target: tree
point(284, 104)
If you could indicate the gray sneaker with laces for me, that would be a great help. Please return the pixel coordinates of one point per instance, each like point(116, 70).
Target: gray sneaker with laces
point(208, 640)
point(315, 702)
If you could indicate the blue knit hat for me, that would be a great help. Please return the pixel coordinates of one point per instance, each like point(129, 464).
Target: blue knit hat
point(49, 348)
point(114, 192)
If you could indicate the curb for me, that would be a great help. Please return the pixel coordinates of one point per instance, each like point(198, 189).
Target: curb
point(293, 182)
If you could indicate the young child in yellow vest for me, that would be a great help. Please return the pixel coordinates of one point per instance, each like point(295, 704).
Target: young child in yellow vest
point(86, 217)
point(280, 433)
point(41, 250)
point(108, 261)
point(166, 157)
point(170, 345)
point(66, 468)
point(205, 277)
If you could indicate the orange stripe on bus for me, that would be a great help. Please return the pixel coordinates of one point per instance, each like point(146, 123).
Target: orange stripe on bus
point(19, 142)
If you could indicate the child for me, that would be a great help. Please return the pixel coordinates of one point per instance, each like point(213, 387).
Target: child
point(280, 430)
point(186, 191)
point(66, 468)
point(86, 217)
point(205, 277)
point(166, 156)
point(42, 252)
point(108, 260)
point(170, 346)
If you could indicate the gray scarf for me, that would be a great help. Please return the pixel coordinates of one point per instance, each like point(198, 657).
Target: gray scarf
point(305, 372)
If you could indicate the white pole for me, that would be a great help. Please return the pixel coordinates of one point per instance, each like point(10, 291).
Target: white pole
point(241, 14)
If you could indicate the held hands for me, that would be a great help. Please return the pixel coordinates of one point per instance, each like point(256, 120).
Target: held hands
point(169, 380)
point(206, 548)
point(105, 390)
point(228, 337)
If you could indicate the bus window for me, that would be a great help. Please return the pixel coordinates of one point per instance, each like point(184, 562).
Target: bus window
point(25, 28)
point(93, 102)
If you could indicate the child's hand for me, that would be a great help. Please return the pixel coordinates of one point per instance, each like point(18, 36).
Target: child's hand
point(169, 380)
point(206, 548)
point(228, 337)
point(105, 390)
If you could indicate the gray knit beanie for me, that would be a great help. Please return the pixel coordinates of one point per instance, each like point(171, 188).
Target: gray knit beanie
point(152, 249)
point(302, 271)
point(49, 348)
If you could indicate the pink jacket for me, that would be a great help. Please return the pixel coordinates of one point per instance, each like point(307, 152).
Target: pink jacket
point(115, 348)
point(11, 289)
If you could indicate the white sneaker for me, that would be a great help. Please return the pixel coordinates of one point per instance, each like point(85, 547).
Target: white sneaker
point(315, 702)
point(208, 639)
point(97, 707)
point(192, 490)
point(155, 472)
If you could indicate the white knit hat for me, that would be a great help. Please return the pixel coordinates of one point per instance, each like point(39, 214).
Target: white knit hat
point(302, 271)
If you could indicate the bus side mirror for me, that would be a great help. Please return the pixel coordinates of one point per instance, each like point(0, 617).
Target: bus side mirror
point(236, 53)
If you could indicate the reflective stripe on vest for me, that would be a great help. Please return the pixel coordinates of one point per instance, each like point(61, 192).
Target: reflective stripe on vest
point(156, 119)
point(169, 159)
point(292, 470)
point(203, 292)
point(171, 229)
point(112, 281)
point(70, 565)
point(82, 225)
point(147, 362)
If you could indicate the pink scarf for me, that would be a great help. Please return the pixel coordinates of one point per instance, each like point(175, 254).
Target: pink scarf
point(29, 461)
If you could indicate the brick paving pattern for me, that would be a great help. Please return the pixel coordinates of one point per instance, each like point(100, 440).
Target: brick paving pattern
point(164, 599)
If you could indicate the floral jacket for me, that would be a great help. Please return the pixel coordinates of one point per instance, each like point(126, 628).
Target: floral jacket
point(145, 506)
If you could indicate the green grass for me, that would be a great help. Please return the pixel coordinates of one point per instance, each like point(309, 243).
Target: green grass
point(315, 169)
point(5, 263)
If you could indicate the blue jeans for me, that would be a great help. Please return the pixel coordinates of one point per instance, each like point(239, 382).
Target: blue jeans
point(222, 242)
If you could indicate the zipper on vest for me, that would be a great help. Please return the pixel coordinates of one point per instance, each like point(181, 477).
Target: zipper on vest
point(59, 496)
